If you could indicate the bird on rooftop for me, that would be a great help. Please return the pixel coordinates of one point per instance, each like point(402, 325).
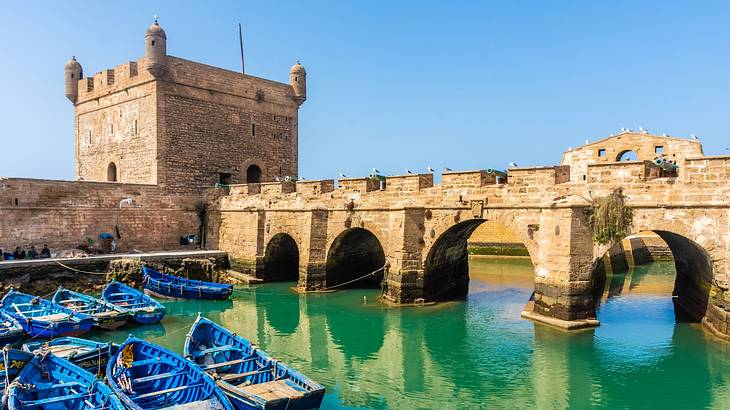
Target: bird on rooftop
point(642, 129)
point(408, 171)
point(278, 179)
point(694, 137)
point(342, 175)
point(375, 171)
point(570, 148)
point(513, 164)
point(431, 170)
point(587, 142)
point(447, 169)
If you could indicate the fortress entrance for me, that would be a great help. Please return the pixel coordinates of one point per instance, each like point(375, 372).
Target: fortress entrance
point(253, 174)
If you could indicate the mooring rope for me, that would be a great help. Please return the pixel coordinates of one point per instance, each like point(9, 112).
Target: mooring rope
point(78, 270)
point(357, 279)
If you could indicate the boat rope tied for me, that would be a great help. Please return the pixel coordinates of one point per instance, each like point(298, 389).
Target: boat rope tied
point(357, 279)
point(77, 270)
point(7, 367)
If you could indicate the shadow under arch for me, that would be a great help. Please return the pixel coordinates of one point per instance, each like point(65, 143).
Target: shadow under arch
point(355, 253)
point(446, 271)
point(281, 259)
point(693, 274)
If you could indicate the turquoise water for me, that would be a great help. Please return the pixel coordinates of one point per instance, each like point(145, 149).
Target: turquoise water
point(477, 353)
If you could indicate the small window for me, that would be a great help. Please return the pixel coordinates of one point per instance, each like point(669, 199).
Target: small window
point(111, 128)
point(89, 136)
point(135, 127)
point(16, 201)
point(279, 170)
point(659, 149)
point(111, 172)
point(224, 178)
point(602, 152)
point(153, 43)
point(253, 130)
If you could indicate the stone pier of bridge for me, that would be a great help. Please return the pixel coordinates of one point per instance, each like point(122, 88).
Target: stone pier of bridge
point(416, 230)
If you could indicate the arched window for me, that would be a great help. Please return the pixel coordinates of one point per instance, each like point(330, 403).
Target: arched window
point(627, 155)
point(111, 172)
point(253, 174)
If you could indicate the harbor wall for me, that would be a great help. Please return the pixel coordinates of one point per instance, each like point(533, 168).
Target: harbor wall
point(63, 214)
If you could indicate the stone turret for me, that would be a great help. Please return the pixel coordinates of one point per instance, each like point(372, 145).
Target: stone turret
point(298, 81)
point(156, 50)
point(74, 73)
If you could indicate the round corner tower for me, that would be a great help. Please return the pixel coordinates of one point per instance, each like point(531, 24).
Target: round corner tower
point(156, 50)
point(73, 73)
point(298, 81)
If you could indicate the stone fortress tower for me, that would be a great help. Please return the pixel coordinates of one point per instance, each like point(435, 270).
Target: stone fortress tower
point(183, 125)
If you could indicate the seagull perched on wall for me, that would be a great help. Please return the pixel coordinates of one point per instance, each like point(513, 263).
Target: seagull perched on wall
point(513, 164)
point(375, 171)
point(447, 169)
point(587, 142)
point(694, 137)
point(342, 175)
point(431, 170)
point(408, 171)
point(644, 130)
point(278, 179)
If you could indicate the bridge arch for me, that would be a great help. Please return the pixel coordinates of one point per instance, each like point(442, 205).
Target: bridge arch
point(446, 261)
point(281, 259)
point(694, 271)
point(354, 253)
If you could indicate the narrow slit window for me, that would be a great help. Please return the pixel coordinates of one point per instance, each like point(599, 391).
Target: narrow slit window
point(135, 127)
point(253, 130)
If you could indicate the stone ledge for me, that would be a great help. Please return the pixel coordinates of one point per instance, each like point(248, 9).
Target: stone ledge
point(559, 323)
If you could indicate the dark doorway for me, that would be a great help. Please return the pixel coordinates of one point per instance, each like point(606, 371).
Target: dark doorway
point(253, 174)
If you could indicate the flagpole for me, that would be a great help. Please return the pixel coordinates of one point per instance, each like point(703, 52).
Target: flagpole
point(240, 42)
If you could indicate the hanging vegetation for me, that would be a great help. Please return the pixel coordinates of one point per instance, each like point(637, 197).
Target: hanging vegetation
point(609, 218)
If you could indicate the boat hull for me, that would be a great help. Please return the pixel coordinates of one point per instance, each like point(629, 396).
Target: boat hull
point(52, 330)
point(16, 360)
point(247, 375)
point(88, 355)
point(12, 338)
point(141, 308)
point(174, 287)
point(160, 378)
point(49, 382)
point(111, 323)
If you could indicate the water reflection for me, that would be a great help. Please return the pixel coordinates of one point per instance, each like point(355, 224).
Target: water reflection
point(476, 353)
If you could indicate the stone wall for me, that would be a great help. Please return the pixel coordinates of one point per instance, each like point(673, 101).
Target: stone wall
point(63, 214)
point(646, 147)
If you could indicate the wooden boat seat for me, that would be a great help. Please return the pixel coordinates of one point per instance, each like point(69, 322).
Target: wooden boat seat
point(52, 317)
point(59, 386)
point(153, 360)
point(229, 363)
point(73, 300)
point(213, 350)
point(234, 376)
point(166, 391)
point(274, 390)
point(158, 376)
point(44, 402)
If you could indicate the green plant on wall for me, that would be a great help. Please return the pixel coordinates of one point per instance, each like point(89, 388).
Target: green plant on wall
point(610, 218)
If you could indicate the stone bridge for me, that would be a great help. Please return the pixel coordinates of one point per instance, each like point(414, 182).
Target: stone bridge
point(327, 235)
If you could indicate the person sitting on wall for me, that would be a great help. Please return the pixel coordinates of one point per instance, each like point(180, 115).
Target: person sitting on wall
point(19, 253)
point(32, 253)
point(45, 252)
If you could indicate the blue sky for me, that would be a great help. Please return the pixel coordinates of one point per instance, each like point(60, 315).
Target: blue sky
point(468, 85)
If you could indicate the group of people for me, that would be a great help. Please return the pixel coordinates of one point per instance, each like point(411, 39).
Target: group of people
point(21, 253)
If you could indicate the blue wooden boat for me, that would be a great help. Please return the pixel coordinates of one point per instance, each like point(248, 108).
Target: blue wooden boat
point(87, 354)
point(142, 308)
point(43, 318)
point(49, 382)
point(13, 361)
point(169, 286)
point(106, 315)
point(148, 376)
point(10, 329)
point(248, 376)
